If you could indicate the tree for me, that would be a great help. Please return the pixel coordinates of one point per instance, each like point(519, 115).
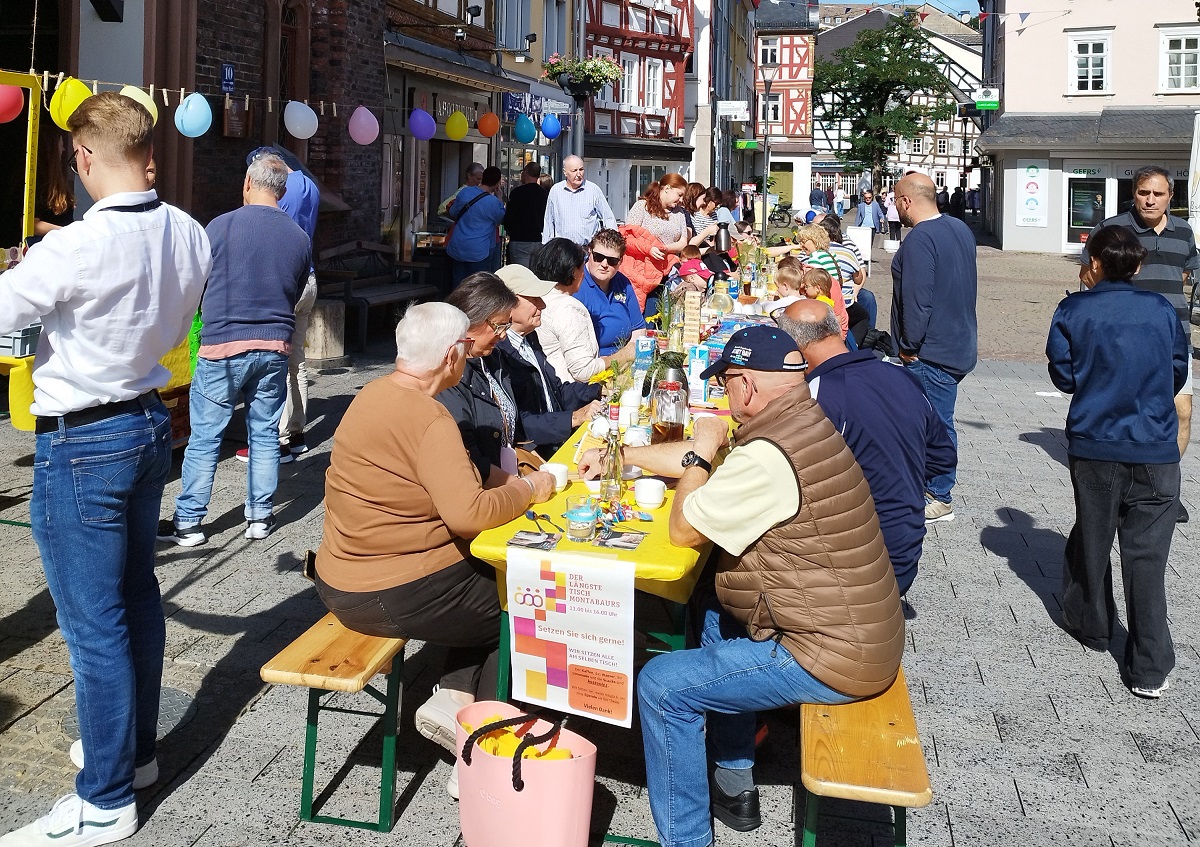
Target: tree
point(885, 86)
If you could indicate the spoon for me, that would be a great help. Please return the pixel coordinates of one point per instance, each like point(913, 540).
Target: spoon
point(533, 516)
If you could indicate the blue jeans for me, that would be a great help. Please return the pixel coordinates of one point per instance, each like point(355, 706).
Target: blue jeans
point(941, 387)
point(722, 683)
point(461, 270)
point(216, 385)
point(97, 490)
point(866, 299)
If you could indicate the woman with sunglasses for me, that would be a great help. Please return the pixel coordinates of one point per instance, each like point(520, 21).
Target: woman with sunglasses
point(608, 294)
point(403, 500)
point(483, 399)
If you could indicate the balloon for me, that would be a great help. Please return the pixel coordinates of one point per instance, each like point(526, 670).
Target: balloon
point(140, 96)
point(456, 126)
point(421, 124)
point(551, 127)
point(12, 102)
point(364, 128)
point(300, 120)
point(193, 116)
point(488, 124)
point(524, 131)
point(66, 100)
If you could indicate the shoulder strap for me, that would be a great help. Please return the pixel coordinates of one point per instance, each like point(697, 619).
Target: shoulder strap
point(474, 200)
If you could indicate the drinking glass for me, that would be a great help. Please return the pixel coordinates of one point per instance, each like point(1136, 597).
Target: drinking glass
point(581, 514)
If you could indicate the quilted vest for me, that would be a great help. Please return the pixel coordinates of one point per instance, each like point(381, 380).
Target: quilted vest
point(820, 583)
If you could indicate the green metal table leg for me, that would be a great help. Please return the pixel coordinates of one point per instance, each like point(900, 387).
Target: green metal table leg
point(387, 779)
point(811, 803)
point(626, 839)
point(504, 669)
point(310, 754)
point(900, 826)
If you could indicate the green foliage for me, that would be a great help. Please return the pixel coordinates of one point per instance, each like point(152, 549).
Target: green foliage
point(873, 85)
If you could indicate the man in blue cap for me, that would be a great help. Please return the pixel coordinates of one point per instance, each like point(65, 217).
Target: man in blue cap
point(805, 609)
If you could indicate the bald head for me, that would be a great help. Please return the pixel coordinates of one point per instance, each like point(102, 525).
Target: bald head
point(815, 329)
point(573, 171)
point(916, 199)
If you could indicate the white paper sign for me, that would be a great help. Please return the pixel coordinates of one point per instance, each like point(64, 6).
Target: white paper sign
point(571, 633)
point(1033, 176)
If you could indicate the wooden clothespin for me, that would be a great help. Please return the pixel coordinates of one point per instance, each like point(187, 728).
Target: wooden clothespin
point(269, 105)
point(227, 98)
point(95, 86)
point(322, 108)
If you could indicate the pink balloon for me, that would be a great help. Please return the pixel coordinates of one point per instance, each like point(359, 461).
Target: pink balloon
point(364, 128)
point(12, 102)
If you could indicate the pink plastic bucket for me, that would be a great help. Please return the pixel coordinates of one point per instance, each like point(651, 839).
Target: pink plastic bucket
point(554, 807)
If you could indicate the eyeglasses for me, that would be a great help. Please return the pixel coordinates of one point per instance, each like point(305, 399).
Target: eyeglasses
point(601, 259)
point(500, 329)
point(723, 379)
point(71, 162)
point(468, 341)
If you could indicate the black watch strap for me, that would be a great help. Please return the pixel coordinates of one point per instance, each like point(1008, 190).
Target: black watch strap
point(690, 459)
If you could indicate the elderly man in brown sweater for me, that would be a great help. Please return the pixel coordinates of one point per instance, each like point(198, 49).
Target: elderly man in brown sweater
point(402, 501)
point(806, 607)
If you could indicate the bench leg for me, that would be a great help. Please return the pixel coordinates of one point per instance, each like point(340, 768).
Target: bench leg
point(387, 784)
point(811, 804)
point(310, 754)
point(900, 826)
point(504, 665)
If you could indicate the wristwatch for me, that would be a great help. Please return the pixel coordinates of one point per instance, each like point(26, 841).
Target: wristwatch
point(690, 459)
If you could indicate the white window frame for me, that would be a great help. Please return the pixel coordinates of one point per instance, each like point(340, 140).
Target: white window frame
point(1075, 39)
point(654, 83)
point(604, 123)
point(943, 147)
point(638, 19)
point(607, 94)
point(768, 51)
point(610, 14)
point(770, 108)
point(629, 80)
point(1166, 35)
point(916, 146)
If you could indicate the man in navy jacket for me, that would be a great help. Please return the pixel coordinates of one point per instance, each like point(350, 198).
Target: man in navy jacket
point(1108, 347)
point(894, 433)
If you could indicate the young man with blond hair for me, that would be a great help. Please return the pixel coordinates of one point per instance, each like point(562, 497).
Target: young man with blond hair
point(115, 291)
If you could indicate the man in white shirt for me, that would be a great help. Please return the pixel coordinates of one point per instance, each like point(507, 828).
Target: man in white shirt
point(115, 292)
point(575, 208)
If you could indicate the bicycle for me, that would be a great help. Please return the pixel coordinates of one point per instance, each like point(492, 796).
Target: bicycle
point(781, 215)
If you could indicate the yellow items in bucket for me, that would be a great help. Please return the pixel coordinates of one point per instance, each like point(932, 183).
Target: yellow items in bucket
point(504, 743)
point(20, 390)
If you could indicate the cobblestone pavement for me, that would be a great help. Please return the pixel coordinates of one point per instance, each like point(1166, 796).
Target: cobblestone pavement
point(1030, 739)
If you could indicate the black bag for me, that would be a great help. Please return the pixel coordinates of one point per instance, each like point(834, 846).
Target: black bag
point(1194, 304)
point(878, 340)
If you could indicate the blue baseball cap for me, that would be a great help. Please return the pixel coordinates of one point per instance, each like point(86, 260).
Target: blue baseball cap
point(289, 158)
point(758, 348)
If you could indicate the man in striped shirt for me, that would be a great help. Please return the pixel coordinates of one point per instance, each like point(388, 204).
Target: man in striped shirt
point(576, 209)
point(1171, 259)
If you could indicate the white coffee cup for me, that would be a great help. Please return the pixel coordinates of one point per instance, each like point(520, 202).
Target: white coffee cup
point(559, 472)
point(649, 493)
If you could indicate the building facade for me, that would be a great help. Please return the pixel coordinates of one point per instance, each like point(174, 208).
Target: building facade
point(1087, 98)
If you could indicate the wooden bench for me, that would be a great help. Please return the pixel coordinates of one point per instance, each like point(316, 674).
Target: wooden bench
point(377, 282)
point(867, 751)
point(327, 658)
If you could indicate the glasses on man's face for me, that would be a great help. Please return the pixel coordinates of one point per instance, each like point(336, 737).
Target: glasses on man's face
point(725, 378)
point(499, 329)
point(601, 259)
point(71, 162)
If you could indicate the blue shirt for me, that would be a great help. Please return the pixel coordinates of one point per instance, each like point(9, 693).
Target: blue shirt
point(474, 234)
point(615, 314)
point(301, 201)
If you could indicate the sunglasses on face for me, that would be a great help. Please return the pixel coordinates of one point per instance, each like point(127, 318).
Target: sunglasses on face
point(601, 259)
point(71, 162)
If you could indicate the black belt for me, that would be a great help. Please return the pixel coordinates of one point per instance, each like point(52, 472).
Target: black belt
point(46, 424)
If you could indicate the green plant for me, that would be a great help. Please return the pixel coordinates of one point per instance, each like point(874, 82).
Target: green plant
point(663, 362)
point(595, 71)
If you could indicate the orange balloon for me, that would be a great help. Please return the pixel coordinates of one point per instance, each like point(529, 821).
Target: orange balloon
point(488, 124)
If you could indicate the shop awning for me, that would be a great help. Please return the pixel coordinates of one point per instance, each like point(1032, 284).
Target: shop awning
point(420, 57)
point(1110, 129)
point(623, 147)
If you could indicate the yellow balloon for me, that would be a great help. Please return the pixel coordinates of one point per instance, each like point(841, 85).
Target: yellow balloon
point(66, 100)
point(456, 126)
point(138, 95)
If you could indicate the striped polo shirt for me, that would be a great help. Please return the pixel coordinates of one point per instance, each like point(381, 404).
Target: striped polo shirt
point(1168, 254)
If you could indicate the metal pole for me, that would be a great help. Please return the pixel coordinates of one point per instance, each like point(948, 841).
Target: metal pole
point(766, 213)
point(577, 127)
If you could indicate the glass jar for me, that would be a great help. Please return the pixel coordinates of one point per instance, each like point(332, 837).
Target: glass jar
point(668, 413)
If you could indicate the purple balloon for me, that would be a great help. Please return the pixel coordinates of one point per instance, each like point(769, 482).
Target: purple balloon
point(421, 124)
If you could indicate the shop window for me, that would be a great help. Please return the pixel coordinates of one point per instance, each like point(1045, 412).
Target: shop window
point(1086, 204)
point(285, 65)
point(1180, 60)
point(1089, 63)
point(640, 177)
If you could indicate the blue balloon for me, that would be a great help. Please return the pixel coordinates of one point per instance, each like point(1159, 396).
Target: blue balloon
point(551, 127)
point(421, 124)
point(524, 131)
point(193, 117)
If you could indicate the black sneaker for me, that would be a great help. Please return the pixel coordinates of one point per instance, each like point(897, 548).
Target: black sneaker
point(740, 812)
point(1183, 516)
point(184, 536)
point(260, 529)
point(295, 444)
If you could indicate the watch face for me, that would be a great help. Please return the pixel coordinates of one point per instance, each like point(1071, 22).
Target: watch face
point(689, 459)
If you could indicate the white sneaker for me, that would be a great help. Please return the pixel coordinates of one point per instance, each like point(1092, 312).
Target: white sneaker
point(1150, 693)
point(452, 782)
point(73, 822)
point(143, 777)
point(436, 717)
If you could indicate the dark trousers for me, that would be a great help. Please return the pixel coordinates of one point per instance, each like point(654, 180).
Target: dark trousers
point(1136, 503)
point(457, 607)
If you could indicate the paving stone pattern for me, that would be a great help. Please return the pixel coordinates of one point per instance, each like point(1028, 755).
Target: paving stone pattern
point(1030, 739)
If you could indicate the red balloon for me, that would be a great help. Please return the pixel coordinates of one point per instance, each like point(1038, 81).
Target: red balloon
point(12, 102)
point(489, 124)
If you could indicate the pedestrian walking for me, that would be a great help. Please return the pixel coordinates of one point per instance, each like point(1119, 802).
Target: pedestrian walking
point(524, 215)
point(576, 208)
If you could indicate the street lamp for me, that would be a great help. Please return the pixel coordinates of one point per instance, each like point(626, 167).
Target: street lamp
point(768, 71)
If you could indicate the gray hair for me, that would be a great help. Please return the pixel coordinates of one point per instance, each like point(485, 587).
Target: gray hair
point(805, 333)
point(269, 173)
point(425, 333)
point(474, 168)
point(482, 295)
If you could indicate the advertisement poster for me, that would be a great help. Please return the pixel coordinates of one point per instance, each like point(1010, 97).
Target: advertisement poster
point(1032, 192)
point(571, 633)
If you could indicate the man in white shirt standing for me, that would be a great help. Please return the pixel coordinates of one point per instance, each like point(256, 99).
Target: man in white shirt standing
point(115, 292)
point(575, 208)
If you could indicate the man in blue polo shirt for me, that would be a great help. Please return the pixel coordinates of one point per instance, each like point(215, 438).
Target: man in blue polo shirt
point(608, 294)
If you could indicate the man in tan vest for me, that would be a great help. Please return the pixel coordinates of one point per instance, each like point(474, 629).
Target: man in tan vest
point(806, 607)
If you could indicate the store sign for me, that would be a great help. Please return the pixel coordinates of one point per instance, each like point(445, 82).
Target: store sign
point(447, 107)
point(749, 187)
point(733, 110)
point(1033, 176)
point(987, 99)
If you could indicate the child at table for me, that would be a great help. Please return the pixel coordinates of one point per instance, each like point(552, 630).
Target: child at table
point(817, 284)
point(789, 276)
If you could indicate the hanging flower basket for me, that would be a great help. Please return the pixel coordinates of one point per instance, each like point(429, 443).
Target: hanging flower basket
point(581, 77)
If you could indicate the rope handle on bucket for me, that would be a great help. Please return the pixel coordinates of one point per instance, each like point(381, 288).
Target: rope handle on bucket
point(526, 741)
point(529, 741)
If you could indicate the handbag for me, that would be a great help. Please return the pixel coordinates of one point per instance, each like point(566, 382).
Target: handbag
point(510, 801)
